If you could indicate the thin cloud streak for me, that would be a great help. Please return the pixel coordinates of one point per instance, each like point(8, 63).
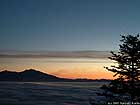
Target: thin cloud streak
point(56, 54)
point(59, 60)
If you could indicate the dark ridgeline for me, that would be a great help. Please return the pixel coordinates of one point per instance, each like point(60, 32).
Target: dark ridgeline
point(32, 75)
point(126, 88)
point(27, 75)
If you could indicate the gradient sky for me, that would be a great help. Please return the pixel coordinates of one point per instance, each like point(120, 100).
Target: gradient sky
point(61, 67)
point(66, 24)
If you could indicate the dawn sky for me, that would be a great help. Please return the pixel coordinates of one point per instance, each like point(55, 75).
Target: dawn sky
point(59, 35)
point(66, 24)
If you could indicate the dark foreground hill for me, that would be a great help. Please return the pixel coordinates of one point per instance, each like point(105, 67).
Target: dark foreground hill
point(28, 75)
point(32, 75)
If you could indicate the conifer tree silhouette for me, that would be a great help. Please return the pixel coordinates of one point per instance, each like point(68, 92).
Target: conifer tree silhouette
point(126, 87)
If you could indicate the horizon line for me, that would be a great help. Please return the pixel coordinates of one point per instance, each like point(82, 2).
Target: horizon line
point(53, 74)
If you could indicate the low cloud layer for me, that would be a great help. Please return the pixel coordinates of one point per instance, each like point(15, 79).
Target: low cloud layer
point(65, 54)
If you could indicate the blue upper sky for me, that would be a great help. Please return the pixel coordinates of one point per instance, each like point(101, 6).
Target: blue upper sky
point(63, 25)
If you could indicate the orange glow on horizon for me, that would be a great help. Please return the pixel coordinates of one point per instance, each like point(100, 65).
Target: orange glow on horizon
point(89, 70)
point(101, 75)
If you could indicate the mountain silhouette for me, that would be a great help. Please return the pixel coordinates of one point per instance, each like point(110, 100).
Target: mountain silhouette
point(28, 75)
point(32, 75)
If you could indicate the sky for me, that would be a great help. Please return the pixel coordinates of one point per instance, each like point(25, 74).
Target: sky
point(64, 64)
point(60, 27)
point(61, 67)
point(66, 25)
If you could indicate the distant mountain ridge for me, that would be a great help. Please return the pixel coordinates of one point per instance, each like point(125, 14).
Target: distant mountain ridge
point(32, 75)
point(27, 75)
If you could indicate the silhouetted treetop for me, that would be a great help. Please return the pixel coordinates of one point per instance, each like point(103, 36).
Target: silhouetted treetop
point(127, 70)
